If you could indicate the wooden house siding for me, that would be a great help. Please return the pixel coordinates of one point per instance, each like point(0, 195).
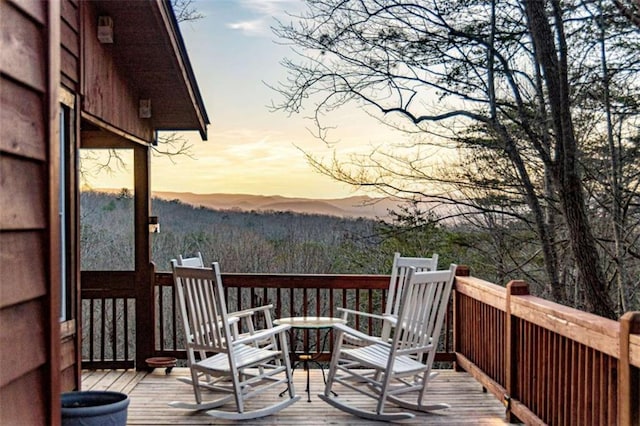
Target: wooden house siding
point(50, 56)
point(70, 364)
point(70, 44)
point(23, 245)
point(29, 342)
point(28, 406)
point(24, 43)
point(107, 91)
point(23, 132)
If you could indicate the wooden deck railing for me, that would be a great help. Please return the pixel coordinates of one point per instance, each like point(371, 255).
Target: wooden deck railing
point(548, 363)
point(290, 295)
point(109, 311)
point(108, 319)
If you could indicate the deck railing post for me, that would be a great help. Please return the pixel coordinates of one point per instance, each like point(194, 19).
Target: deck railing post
point(144, 324)
point(461, 271)
point(514, 288)
point(628, 374)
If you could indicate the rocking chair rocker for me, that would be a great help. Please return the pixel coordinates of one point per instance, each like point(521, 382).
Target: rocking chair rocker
point(396, 370)
point(240, 367)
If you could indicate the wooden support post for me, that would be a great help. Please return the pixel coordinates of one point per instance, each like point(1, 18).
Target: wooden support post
point(514, 288)
point(461, 271)
point(51, 378)
point(628, 374)
point(145, 321)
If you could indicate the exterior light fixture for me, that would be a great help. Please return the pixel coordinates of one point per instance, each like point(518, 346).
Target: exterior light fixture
point(144, 108)
point(154, 225)
point(105, 29)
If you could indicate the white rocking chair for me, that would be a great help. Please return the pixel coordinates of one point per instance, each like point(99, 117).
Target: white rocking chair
point(237, 366)
point(243, 322)
point(395, 371)
point(195, 261)
point(399, 274)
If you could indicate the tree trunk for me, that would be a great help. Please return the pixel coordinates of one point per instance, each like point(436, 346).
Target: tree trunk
point(553, 287)
point(565, 169)
point(615, 175)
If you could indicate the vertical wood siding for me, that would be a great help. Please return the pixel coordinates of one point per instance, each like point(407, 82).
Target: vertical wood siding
point(70, 44)
point(107, 92)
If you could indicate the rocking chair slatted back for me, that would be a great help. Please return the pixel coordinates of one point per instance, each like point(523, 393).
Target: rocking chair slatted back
point(195, 261)
point(207, 325)
point(421, 316)
point(399, 272)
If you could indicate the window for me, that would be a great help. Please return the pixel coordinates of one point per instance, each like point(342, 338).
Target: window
point(65, 207)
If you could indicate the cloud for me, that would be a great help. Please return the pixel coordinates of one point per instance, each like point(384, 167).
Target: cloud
point(265, 11)
point(272, 8)
point(254, 27)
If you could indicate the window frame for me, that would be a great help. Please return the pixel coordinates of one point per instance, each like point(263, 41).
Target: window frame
point(66, 212)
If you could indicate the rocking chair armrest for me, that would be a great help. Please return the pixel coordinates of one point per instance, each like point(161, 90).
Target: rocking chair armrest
point(360, 335)
point(262, 334)
point(206, 328)
point(250, 311)
point(365, 314)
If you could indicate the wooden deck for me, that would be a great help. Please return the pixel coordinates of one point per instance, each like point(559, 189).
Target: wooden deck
point(151, 392)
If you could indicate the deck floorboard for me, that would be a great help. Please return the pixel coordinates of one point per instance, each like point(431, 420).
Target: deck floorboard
point(151, 393)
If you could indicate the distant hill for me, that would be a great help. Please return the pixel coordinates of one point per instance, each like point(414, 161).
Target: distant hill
point(358, 206)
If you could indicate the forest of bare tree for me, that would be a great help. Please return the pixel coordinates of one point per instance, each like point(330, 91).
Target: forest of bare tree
point(538, 99)
point(285, 242)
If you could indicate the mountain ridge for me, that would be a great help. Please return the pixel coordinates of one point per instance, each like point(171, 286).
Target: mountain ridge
point(356, 206)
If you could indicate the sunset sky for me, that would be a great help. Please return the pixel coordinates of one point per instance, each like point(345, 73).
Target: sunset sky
point(250, 149)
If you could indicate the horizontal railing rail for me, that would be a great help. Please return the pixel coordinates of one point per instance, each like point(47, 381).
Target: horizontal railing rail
point(290, 295)
point(109, 304)
point(548, 363)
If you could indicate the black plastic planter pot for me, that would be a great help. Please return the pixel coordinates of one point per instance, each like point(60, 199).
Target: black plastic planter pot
point(94, 408)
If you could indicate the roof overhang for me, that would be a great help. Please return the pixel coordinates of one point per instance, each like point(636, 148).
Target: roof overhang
point(149, 47)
